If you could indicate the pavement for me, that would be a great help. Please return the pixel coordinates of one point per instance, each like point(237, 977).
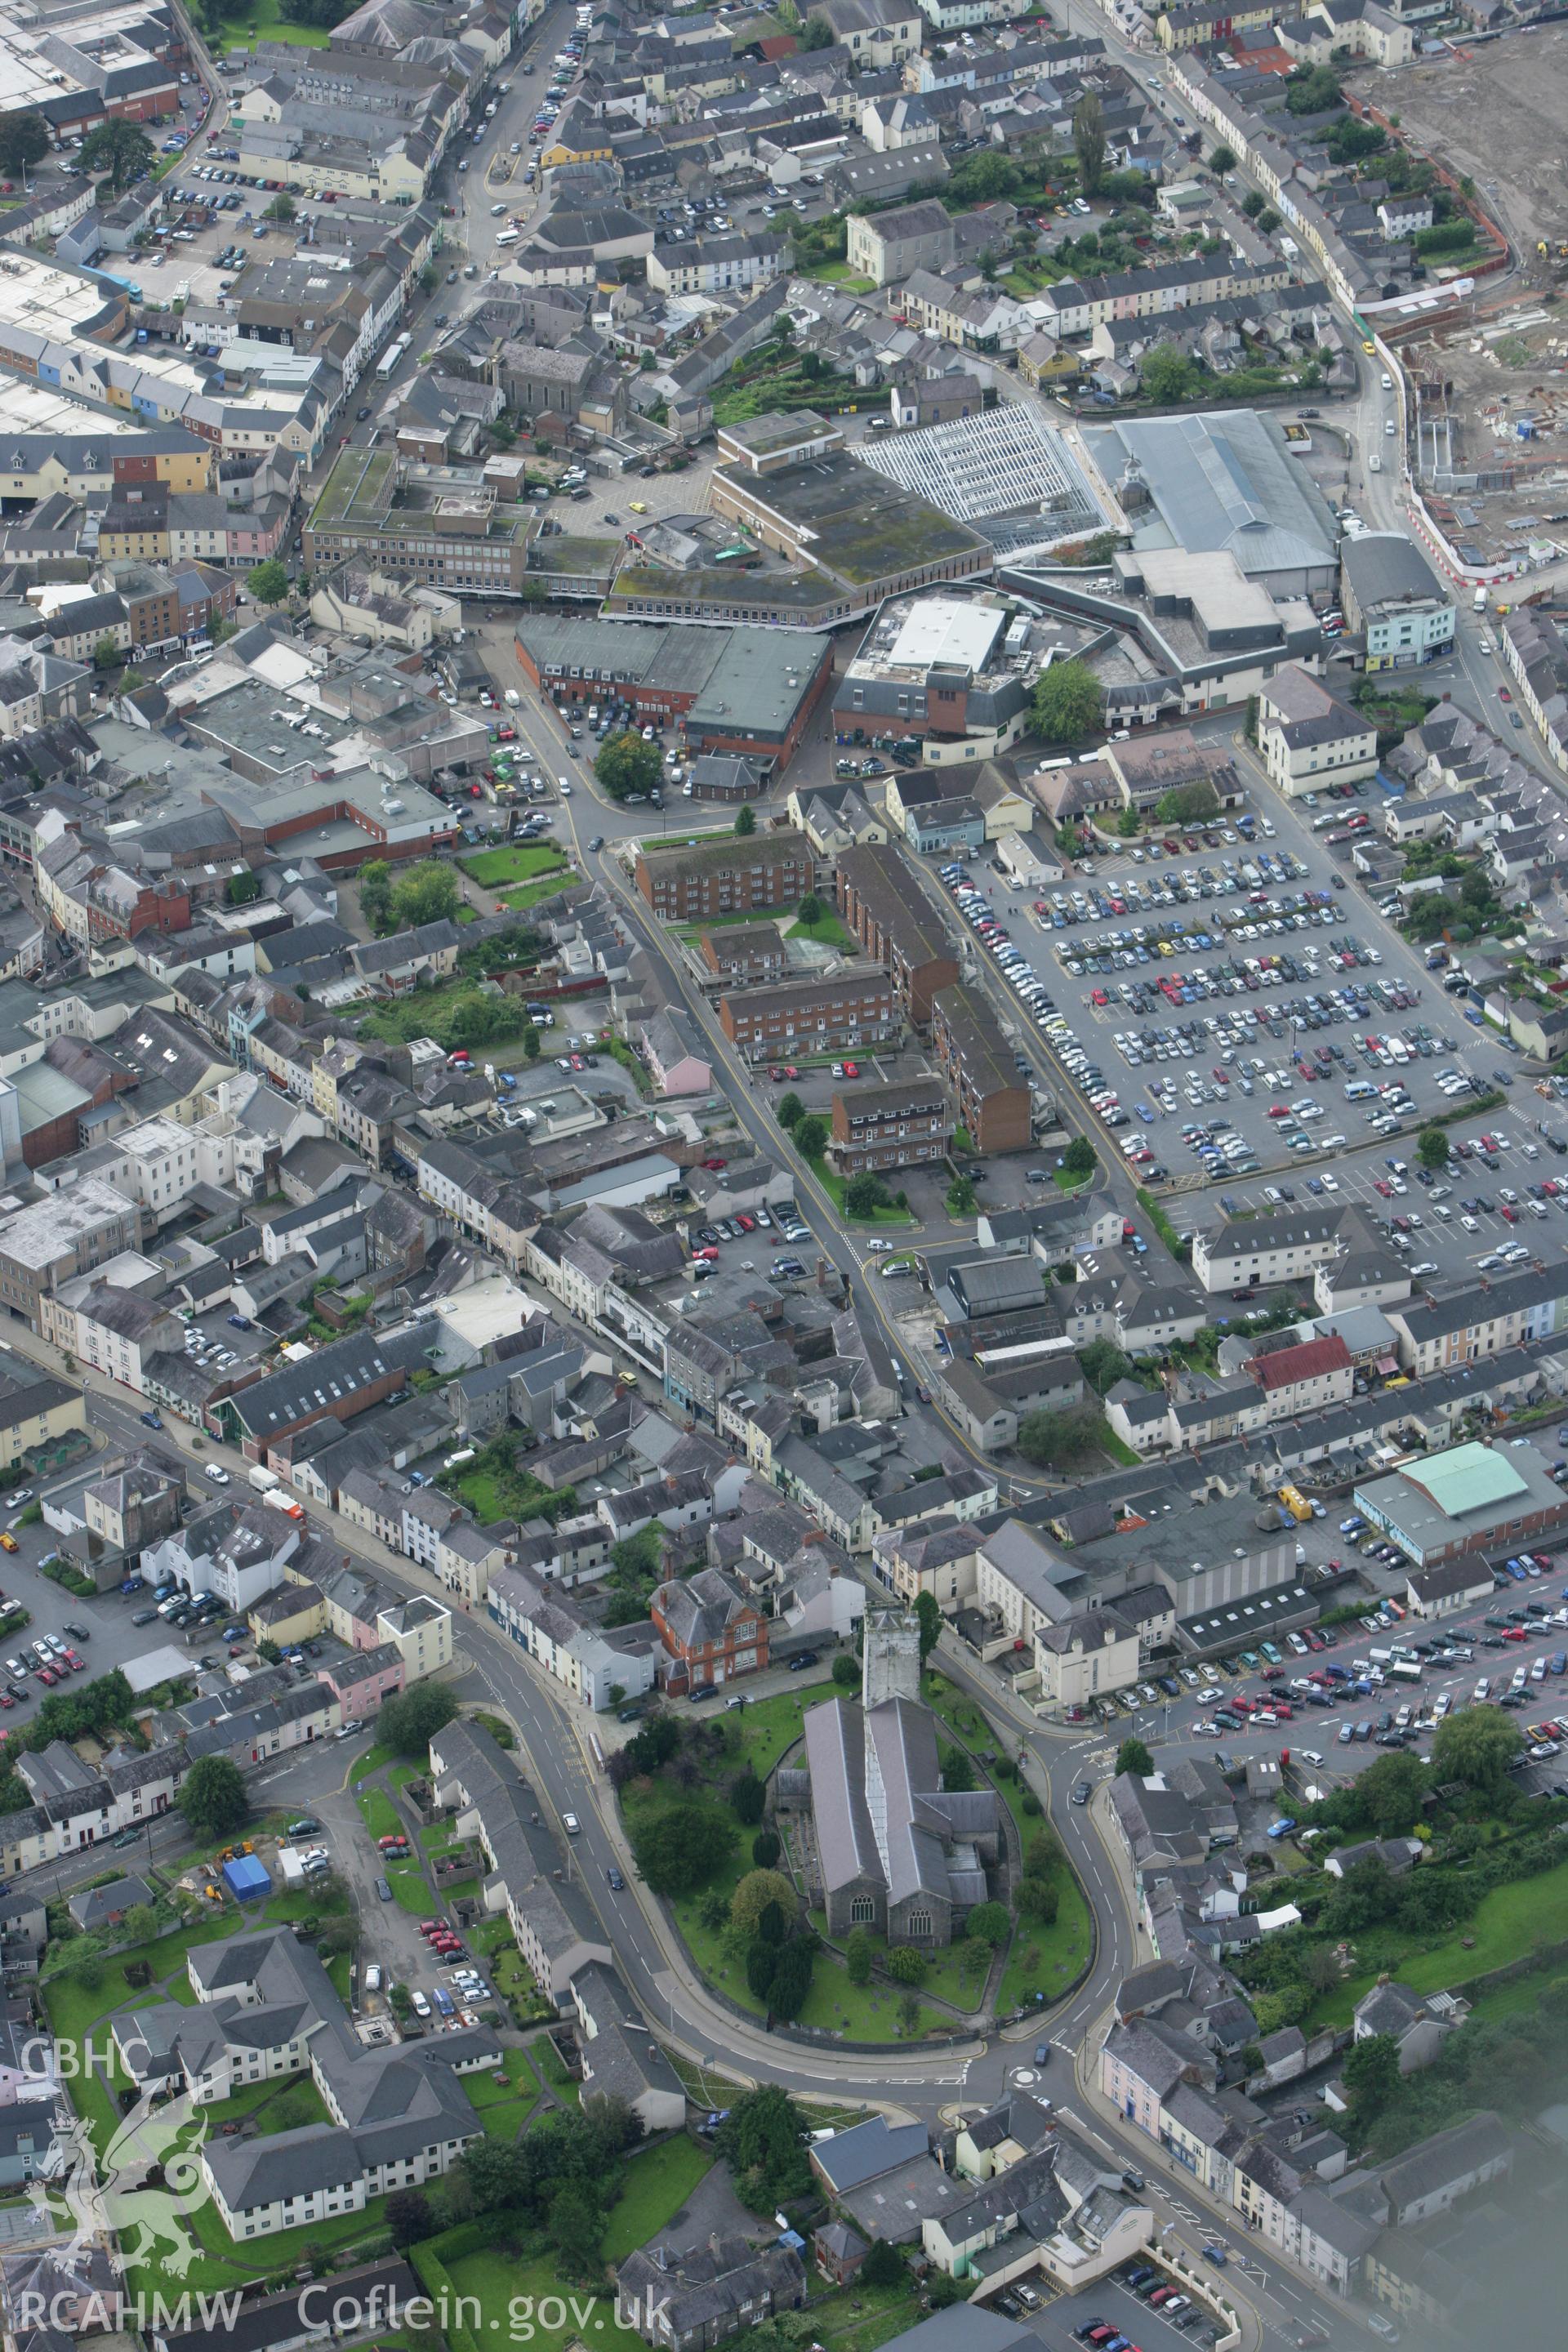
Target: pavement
point(919, 2081)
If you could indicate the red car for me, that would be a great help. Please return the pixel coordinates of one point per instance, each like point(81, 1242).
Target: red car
point(851, 1069)
point(715, 1164)
point(790, 1071)
point(1385, 1191)
point(747, 1224)
point(384, 1842)
point(50, 1674)
point(431, 1927)
point(77, 1665)
point(1503, 694)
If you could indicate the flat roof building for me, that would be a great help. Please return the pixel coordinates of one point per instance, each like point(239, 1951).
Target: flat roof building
point(441, 526)
point(835, 517)
point(946, 666)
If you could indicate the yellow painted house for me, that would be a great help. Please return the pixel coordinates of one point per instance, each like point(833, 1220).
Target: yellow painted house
point(576, 138)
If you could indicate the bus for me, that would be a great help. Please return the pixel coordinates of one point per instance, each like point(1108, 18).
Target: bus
point(387, 364)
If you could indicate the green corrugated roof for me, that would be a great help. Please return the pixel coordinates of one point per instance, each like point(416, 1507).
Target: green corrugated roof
point(1471, 1478)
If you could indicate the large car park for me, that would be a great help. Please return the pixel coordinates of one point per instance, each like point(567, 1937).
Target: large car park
point(1240, 1014)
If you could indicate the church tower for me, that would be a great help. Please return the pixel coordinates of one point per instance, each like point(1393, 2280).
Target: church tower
point(891, 1645)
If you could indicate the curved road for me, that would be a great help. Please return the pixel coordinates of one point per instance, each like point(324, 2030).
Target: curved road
point(920, 2081)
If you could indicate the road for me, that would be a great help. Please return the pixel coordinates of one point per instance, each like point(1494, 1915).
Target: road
point(584, 811)
point(922, 2081)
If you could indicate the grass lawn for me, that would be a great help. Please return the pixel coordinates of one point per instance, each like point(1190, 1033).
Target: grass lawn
point(403, 1776)
point(864, 2013)
point(223, 2263)
point(504, 2108)
point(73, 2007)
point(379, 1813)
point(1029, 276)
point(839, 274)
point(709, 2090)
point(485, 1495)
point(338, 1969)
point(834, 1187)
point(827, 931)
point(304, 1903)
point(530, 894)
point(516, 861)
point(496, 2277)
point(1510, 1922)
point(658, 2183)
point(1507, 1999)
point(265, 21)
point(552, 2070)
point(284, 2103)
point(1108, 1443)
point(1042, 1960)
point(407, 1883)
point(858, 2318)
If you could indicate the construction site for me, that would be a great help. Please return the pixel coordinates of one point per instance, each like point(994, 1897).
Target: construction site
point(1491, 413)
point(1495, 114)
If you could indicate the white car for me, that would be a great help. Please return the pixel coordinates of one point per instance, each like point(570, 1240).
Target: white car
point(421, 2005)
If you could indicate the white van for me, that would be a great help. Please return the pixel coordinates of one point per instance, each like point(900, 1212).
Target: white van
point(510, 236)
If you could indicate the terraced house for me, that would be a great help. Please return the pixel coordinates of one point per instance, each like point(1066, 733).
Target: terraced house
point(880, 1127)
point(810, 1016)
point(881, 900)
point(992, 1096)
point(730, 875)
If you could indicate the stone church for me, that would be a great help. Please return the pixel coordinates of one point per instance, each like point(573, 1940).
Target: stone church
point(894, 1852)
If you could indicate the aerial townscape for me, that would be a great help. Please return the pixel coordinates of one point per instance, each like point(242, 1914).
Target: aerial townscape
point(780, 1505)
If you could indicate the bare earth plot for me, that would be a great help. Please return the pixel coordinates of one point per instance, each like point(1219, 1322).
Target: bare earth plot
point(1497, 117)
